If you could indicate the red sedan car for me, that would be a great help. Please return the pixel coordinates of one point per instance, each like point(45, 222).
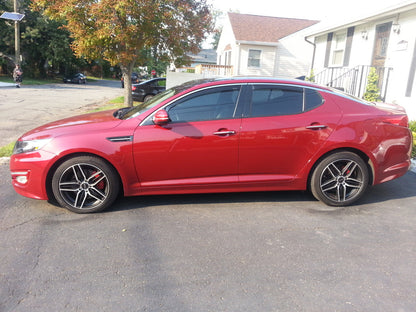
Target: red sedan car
point(230, 135)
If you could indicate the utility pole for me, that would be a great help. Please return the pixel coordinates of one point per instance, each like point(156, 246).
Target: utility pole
point(16, 35)
point(16, 17)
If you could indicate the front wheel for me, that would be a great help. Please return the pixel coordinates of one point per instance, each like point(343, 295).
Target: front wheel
point(85, 184)
point(340, 179)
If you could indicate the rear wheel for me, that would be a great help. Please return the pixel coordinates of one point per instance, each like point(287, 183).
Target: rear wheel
point(147, 97)
point(85, 184)
point(340, 179)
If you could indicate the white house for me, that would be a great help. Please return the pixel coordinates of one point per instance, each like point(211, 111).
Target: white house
point(386, 40)
point(265, 46)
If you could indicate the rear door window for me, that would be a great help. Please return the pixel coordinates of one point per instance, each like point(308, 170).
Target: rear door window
point(279, 100)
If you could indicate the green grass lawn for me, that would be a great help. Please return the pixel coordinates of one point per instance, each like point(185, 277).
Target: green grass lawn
point(6, 151)
point(29, 81)
point(37, 82)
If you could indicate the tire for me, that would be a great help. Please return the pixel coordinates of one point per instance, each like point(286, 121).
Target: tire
point(85, 184)
point(340, 179)
point(147, 97)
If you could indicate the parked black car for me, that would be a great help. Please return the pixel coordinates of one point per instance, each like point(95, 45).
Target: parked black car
point(134, 79)
point(77, 78)
point(145, 90)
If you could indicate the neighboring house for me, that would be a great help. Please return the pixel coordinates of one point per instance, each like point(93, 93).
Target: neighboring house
point(265, 46)
point(204, 57)
point(200, 67)
point(385, 40)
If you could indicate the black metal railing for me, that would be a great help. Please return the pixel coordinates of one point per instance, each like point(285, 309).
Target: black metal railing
point(354, 80)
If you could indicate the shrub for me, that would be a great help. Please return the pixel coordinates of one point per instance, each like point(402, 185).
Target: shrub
point(372, 92)
point(412, 126)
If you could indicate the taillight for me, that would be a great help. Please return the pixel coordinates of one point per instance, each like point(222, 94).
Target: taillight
point(398, 120)
point(133, 88)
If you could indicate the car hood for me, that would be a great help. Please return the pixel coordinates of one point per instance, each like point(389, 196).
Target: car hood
point(93, 122)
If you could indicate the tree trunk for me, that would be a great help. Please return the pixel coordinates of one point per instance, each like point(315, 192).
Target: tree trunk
point(127, 71)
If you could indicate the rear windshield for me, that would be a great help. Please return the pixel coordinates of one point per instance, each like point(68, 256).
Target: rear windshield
point(351, 97)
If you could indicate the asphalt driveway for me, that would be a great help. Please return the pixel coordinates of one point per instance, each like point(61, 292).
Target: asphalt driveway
point(270, 251)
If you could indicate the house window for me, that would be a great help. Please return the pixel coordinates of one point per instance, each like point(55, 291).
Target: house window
point(338, 49)
point(254, 58)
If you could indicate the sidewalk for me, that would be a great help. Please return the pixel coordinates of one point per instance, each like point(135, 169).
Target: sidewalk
point(6, 84)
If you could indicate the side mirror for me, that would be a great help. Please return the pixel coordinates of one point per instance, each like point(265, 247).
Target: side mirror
point(161, 118)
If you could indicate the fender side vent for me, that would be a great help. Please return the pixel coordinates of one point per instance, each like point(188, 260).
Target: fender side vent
point(128, 138)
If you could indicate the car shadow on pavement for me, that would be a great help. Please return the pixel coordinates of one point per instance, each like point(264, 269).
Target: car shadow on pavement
point(403, 188)
point(137, 202)
point(388, 193)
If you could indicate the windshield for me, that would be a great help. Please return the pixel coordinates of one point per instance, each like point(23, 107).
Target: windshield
point(142, 107)
point(159, 98)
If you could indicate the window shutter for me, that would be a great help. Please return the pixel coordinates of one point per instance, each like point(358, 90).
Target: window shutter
point(350, 35)
point(328, 48)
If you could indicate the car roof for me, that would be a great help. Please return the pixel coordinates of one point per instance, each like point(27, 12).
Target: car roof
point(234, 80)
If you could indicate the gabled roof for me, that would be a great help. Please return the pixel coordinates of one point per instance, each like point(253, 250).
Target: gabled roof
point(255, 28)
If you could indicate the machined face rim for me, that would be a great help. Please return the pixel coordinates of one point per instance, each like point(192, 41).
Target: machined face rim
point(84, 186)
point(341, 180)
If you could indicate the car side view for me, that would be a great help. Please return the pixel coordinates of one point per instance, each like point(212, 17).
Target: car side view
point(145, 90)
point(77, 78)
point(218, 135)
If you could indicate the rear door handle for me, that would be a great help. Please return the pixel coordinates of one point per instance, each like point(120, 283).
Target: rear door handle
point(316, 127)
point(224, 132)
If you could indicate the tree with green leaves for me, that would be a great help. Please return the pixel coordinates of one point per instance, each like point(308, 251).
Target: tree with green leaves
point(120, 30)
point(372, 92)
point(44, 44)
point(6, 38)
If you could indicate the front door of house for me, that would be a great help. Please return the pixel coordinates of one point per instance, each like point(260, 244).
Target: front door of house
point(381, 44)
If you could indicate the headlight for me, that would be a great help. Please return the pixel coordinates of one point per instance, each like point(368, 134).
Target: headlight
point(29, 146)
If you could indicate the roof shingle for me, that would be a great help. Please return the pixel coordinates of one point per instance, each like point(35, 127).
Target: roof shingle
point(257, 28)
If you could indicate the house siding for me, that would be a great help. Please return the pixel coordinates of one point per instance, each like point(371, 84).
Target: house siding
point(400, 54)
point(293, 56)
point(268, 55)
point(284, 52)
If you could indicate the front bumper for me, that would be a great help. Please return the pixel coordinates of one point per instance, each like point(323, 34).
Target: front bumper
point(29, 172)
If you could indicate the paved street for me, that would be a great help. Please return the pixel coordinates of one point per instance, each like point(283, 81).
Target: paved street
point(31, 106)
point(271, 251)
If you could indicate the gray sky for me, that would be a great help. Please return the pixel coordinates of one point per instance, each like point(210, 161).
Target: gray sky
point(308, 9)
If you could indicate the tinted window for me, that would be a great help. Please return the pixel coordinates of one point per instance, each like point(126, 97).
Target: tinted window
point(276, 101)
point(215, 103)
point(312, 99)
